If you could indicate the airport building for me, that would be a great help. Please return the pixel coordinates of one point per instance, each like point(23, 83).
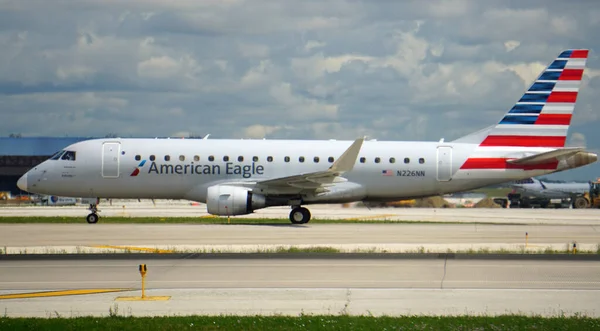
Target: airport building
point(18, 155)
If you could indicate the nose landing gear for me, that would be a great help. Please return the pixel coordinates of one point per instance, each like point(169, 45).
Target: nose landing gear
point(93, 217)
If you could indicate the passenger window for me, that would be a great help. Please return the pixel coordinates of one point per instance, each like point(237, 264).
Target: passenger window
point(363, 160)
point(255, 158)
point(301, 159)
point(406, 160)
point(211, 158)
point(68, 156)
point(421, 160)
point(269, 159)
point(240, 158)
point(181, 158)
point(138, 157)
point(377, 160)
point(167, 158)
point(196, 158)
point(316, 159)
point(287, 159)
point(225, 158)
point(331, 159)
point(392, 160)
point(152, 158)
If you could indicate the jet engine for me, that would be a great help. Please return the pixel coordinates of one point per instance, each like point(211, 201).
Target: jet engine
point(227, 200)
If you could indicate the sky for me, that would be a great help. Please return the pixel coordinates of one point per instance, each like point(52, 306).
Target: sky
point(311, 69)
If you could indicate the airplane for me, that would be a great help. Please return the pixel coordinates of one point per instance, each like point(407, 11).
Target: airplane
point(237, 177)
point(537, 188)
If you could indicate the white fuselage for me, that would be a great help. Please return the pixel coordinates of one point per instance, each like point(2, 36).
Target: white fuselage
point(104, 167)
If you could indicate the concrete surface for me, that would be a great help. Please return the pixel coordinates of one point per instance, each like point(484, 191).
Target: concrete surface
point(314, 286)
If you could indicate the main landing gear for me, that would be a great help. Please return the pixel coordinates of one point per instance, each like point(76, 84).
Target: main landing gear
point(93, 217)
point(299, 215)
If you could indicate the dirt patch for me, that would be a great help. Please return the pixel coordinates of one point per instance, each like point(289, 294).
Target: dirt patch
point(433, 202)
point(487, 203)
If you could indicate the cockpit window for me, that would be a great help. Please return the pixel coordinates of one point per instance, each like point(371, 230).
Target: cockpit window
point(69, 156)
point(57, 155)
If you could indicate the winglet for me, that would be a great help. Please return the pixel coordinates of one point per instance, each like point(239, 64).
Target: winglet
point(348, 159)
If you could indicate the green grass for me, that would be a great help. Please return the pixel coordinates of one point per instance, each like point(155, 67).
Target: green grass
point(304, 322)
point(214, 220)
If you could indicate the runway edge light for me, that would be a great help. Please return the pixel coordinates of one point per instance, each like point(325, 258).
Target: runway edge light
point(143, 269)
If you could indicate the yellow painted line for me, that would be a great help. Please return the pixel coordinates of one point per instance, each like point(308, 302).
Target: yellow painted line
point(59, 293)
point(157, 298)
point(370, 216)
point(133, 248)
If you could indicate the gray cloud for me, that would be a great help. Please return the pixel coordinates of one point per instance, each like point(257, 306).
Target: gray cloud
point(337, 69)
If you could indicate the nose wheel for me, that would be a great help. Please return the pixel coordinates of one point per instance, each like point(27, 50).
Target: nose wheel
point(299, 215)
point(93, 217)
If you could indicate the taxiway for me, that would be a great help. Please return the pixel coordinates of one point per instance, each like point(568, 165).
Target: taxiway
point(312, 285)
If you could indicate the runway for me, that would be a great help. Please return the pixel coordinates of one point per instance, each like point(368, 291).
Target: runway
point(180, 208)
point(312, 285)
point(20, 238)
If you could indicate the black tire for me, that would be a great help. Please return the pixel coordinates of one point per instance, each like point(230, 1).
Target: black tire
point(92, 218)
point(300, 215)
point(580, 203)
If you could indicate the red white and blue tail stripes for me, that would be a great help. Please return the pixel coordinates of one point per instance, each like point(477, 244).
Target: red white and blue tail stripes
point(539, 121)
point(542, 116)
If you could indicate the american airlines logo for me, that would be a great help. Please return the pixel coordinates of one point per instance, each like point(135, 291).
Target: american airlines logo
point(137, 169)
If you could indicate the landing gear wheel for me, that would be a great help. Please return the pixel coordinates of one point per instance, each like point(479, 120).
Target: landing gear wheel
point(300, 215)
point(92, 218)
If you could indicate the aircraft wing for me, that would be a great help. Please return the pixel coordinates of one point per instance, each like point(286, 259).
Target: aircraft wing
point(314, 181)
point(555, 155)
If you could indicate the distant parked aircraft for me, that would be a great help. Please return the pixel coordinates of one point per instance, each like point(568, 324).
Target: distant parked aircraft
point(541, 189)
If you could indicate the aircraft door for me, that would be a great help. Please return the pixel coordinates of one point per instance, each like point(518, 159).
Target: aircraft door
point(110, 159)
point(444, 163)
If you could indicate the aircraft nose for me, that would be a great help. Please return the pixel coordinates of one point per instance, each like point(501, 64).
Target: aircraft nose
point(22, 182)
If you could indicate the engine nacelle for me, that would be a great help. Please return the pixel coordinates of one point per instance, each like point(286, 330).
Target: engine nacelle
point(227, 200)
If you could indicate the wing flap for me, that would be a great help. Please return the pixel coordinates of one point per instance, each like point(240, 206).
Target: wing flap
point(547, 157)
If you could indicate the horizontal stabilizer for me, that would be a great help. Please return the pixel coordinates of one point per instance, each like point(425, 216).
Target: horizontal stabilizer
point(547, 157)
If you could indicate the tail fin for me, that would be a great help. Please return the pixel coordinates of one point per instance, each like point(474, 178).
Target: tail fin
point(542, 116)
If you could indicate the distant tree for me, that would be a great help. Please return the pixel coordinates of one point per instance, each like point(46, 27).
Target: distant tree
point(111, 135)
point(15, 135)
